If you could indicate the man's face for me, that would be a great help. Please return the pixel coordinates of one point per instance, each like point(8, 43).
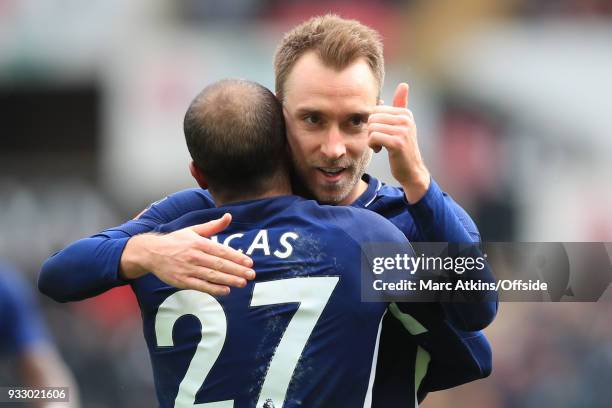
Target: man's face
point(326, 112)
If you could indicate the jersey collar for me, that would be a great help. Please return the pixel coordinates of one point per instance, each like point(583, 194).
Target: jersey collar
point(368, 196)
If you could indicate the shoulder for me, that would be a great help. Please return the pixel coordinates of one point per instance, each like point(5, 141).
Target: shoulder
point(359, 224)
point(162, 211)
point(177, 204)
point(188, 199)
point(191, 218)
point(387, 198)
point(337, 214)
point(388, 191)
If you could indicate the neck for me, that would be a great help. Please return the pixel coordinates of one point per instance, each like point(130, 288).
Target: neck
point(277, 187)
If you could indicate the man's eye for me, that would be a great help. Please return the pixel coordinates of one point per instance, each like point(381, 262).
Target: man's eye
point(356, 120)
point(312, 119)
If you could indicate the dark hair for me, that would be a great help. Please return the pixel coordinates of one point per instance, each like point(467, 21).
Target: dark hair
point(235, 133)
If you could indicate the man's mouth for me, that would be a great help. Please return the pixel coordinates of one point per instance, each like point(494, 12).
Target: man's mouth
point(332, 173)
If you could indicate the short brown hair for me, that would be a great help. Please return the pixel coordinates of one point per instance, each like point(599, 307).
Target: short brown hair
point(337, 41)
point(235, 133)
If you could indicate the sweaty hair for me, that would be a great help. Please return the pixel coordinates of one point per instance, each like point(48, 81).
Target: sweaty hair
point(235, 133)
point(337, 41)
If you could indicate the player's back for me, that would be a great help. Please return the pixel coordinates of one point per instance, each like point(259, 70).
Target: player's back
point(298, 335)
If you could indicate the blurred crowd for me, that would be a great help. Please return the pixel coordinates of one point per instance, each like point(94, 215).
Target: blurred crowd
point(507, 96)
point(544, 354)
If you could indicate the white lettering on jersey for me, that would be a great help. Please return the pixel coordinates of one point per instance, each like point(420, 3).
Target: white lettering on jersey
point(286, 244)
point(260, 242)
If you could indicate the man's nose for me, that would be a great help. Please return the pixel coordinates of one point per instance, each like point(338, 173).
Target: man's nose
point(333, 146)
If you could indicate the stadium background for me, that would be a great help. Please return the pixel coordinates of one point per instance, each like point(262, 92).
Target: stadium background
point(512, 104)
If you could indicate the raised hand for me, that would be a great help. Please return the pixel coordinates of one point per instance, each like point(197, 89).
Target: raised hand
point(394, 128)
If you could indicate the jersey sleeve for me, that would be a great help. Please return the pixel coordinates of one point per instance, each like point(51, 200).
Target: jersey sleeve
point(90, 266)
point(455, 357)
point(468, 357)
point(438, 218)
point(21, 325)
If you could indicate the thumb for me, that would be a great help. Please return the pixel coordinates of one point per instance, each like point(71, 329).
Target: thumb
point(213, 227)
point(400, 98)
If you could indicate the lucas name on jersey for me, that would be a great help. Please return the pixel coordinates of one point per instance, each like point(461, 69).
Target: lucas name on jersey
point(259, 244)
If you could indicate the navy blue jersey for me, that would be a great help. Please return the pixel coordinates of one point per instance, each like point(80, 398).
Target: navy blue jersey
point(457, 353)
point(21, 327)
point(298, 335)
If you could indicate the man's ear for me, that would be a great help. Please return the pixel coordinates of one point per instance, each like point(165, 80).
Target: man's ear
point(198, 175)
